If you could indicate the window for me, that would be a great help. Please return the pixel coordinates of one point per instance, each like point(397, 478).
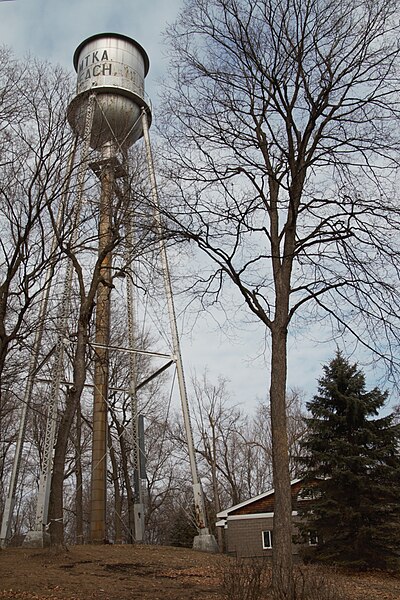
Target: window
point(312, 538)
point(311, 493)
point(267, 539)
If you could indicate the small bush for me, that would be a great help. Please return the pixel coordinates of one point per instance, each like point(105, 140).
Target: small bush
point(317, 583)
point(312, 583)
point(251, 579)
point(243, 579)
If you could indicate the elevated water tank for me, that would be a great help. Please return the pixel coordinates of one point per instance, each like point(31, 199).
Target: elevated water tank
point(114, 67)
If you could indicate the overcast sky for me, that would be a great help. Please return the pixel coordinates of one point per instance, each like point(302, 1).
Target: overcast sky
point(52, 29)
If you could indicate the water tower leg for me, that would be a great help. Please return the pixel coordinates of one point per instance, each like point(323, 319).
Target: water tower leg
point(138, 505)
point(204, 541)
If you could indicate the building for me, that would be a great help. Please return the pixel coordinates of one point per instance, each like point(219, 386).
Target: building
point(249, 525)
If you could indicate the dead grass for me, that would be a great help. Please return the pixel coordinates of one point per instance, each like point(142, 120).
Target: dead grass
point(162, 573)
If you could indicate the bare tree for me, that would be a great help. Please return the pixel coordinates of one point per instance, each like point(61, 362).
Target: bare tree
point(220, 429)
point(281, 128)
point(37, 183)
point(236, 447)
point(87, 259)
point(35, 142)
point(260, 437)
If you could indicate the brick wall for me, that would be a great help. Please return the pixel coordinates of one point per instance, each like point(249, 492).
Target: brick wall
point(244, 537)
point(266, 504)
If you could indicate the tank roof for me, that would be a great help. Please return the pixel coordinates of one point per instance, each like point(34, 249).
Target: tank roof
point(115, 35)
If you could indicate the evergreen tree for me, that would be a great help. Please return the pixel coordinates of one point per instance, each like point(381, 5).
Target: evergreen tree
point(182, 530)
point(352, 472)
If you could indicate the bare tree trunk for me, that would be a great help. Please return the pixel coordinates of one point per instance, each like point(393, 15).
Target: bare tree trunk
point(79, 481)
point(282, 575)
point(217, 504)
point(56, 503)
point(117, 492)
point(127, 481)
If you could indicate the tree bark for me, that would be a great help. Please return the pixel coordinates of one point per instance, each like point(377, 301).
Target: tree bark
point(79, 481)
point(117, 492)
point(217, 504)
point(56, 503)
point(127, 480)
point(282, 572)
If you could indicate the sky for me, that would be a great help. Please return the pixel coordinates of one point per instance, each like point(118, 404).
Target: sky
point(51, 30)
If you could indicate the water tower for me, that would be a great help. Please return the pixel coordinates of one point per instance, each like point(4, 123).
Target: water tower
point(109, 113)
point(114, 67)
point(106, 111)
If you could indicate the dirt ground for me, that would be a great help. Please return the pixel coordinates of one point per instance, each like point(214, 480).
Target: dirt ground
point(145, 572)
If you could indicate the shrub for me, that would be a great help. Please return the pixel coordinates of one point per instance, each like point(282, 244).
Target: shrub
point(243, 579)
point(250, 579)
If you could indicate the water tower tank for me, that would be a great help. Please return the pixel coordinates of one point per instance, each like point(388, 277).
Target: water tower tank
point(114, 67)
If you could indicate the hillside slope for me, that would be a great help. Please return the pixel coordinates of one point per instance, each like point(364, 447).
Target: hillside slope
point(145, 572)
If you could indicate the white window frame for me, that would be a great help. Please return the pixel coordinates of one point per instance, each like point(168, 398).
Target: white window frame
point(312, 535)
point(269, 531)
